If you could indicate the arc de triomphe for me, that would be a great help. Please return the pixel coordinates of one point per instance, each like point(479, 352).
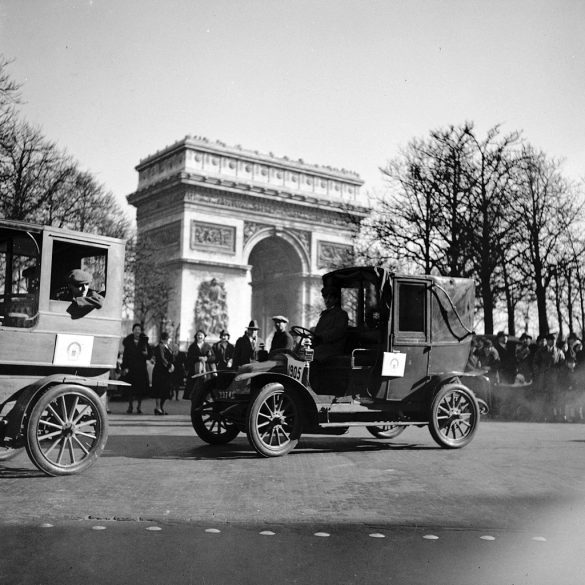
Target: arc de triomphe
point(244, 235)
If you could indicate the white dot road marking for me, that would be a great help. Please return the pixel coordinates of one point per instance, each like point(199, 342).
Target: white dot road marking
point(212, 530)
point(154, 528)
point(322, 534)
point(377, 535)
point(539, 538)
point(267, 533)
point(430, 537)
point(46, 525)
point(488, 537)
point(98, 527)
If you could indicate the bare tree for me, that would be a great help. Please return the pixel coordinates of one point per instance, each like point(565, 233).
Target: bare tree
point(548, 208)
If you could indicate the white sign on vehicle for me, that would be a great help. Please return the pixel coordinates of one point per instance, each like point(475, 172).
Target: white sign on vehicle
point(295, 368)
point(393, 364)
point(73, 350)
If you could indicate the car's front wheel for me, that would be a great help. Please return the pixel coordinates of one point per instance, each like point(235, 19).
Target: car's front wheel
point(454, 416)
point(67, 430)
point(274, 421)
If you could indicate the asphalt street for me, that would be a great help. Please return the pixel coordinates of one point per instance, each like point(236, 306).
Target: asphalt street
point(161, 506)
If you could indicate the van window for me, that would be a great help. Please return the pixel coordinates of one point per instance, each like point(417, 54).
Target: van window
point(68, 256)
point(19, 278)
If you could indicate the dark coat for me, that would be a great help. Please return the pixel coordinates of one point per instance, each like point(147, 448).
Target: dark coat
point(162, 377)
point(245, 351)
point(282, 340)
point(223, 352)
point(134, 360)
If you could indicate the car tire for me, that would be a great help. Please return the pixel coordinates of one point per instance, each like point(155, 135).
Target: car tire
point(454, 416)
point(66, 430)
point(208, 422)
point(274, 421)
point(386, 431)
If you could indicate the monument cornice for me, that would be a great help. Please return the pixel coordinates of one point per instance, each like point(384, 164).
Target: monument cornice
point(219, 148)
point(215, 186)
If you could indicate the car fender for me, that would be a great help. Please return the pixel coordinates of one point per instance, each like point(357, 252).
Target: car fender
point(27, 396)
point(306, 396)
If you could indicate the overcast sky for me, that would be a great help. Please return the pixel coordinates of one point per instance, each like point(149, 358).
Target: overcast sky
point(345, 83)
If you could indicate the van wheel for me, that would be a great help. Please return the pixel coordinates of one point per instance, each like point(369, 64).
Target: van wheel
point(207, 420)
point(274, 421)
point(386, 431)
point(454, 416)
point(67, 430)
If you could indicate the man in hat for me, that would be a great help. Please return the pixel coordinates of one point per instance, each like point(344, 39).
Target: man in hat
point(331, 329)
point(224, 351)
point(83, 298)
point(282, 339)
point(245, 350)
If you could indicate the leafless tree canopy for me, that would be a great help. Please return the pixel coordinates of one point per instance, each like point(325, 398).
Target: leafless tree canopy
point(493, 208)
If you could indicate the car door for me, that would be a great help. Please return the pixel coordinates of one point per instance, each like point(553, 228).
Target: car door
point(409, 335)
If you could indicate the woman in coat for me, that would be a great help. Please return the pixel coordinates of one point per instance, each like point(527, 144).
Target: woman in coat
point(136, 352)
point(200, 359)
point(162, 374)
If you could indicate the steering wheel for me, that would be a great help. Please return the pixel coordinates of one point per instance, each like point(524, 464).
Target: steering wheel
point(302, 332)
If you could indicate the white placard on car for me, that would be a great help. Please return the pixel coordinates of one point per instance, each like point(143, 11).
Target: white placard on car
point(393, 364)
point(73, 350)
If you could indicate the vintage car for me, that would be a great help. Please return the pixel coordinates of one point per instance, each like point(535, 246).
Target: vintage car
point(407, 344)
point(55, 358)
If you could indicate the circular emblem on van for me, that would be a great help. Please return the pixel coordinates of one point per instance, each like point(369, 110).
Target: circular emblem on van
point(74, 351)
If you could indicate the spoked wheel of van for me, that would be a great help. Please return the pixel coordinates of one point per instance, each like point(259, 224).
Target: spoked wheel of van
point(386, 431)
point(67, 430)
point(207, 420)
point(454, 416)
point(274, 423)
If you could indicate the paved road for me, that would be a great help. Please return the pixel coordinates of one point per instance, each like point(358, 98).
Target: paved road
point(506, 509)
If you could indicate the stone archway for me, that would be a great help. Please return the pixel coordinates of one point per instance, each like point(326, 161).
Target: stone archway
point(277, 284)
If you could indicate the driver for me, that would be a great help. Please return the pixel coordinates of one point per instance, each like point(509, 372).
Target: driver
point(331, 329)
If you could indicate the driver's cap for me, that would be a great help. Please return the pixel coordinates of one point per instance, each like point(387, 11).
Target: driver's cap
point(281, 318)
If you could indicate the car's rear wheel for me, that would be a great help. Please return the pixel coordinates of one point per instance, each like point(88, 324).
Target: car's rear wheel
point(274, 421)
point(386, 431)
point(66, 430)
point(454, 416)
point(207, 420)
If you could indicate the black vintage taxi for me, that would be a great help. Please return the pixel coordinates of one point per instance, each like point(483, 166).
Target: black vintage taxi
point(406, 346)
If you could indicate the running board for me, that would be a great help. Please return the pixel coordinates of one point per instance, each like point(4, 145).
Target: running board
point(382, 423)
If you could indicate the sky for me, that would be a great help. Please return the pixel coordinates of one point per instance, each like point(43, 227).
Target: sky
point(345, 83)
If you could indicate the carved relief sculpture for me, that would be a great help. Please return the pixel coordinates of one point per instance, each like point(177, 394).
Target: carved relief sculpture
point(333, 255)
point(212, 236)
point(211, 313)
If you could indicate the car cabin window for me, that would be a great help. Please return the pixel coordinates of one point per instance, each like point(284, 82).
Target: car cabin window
point(361, 304)
point(411, 307)
point(19, 278)
point(68, 256)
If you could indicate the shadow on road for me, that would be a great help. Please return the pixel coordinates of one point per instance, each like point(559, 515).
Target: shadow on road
point(19, 473)
point(179, 447)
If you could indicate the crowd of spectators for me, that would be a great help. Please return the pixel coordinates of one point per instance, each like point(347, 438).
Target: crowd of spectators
point(551, 369)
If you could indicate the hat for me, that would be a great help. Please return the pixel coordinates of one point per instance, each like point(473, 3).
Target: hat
point(502, 334)
point(551, 336)
point(253, 325)
point(280, 318)
point(78, 276)
point(331, 289)
point(164, 335)
point(223, 332)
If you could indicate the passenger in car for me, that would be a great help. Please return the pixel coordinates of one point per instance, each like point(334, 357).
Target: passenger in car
point(331, 329)
point(83, 298)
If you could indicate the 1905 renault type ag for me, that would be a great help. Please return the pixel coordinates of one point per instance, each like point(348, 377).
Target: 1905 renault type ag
point(56, 351)
point(406, 346)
